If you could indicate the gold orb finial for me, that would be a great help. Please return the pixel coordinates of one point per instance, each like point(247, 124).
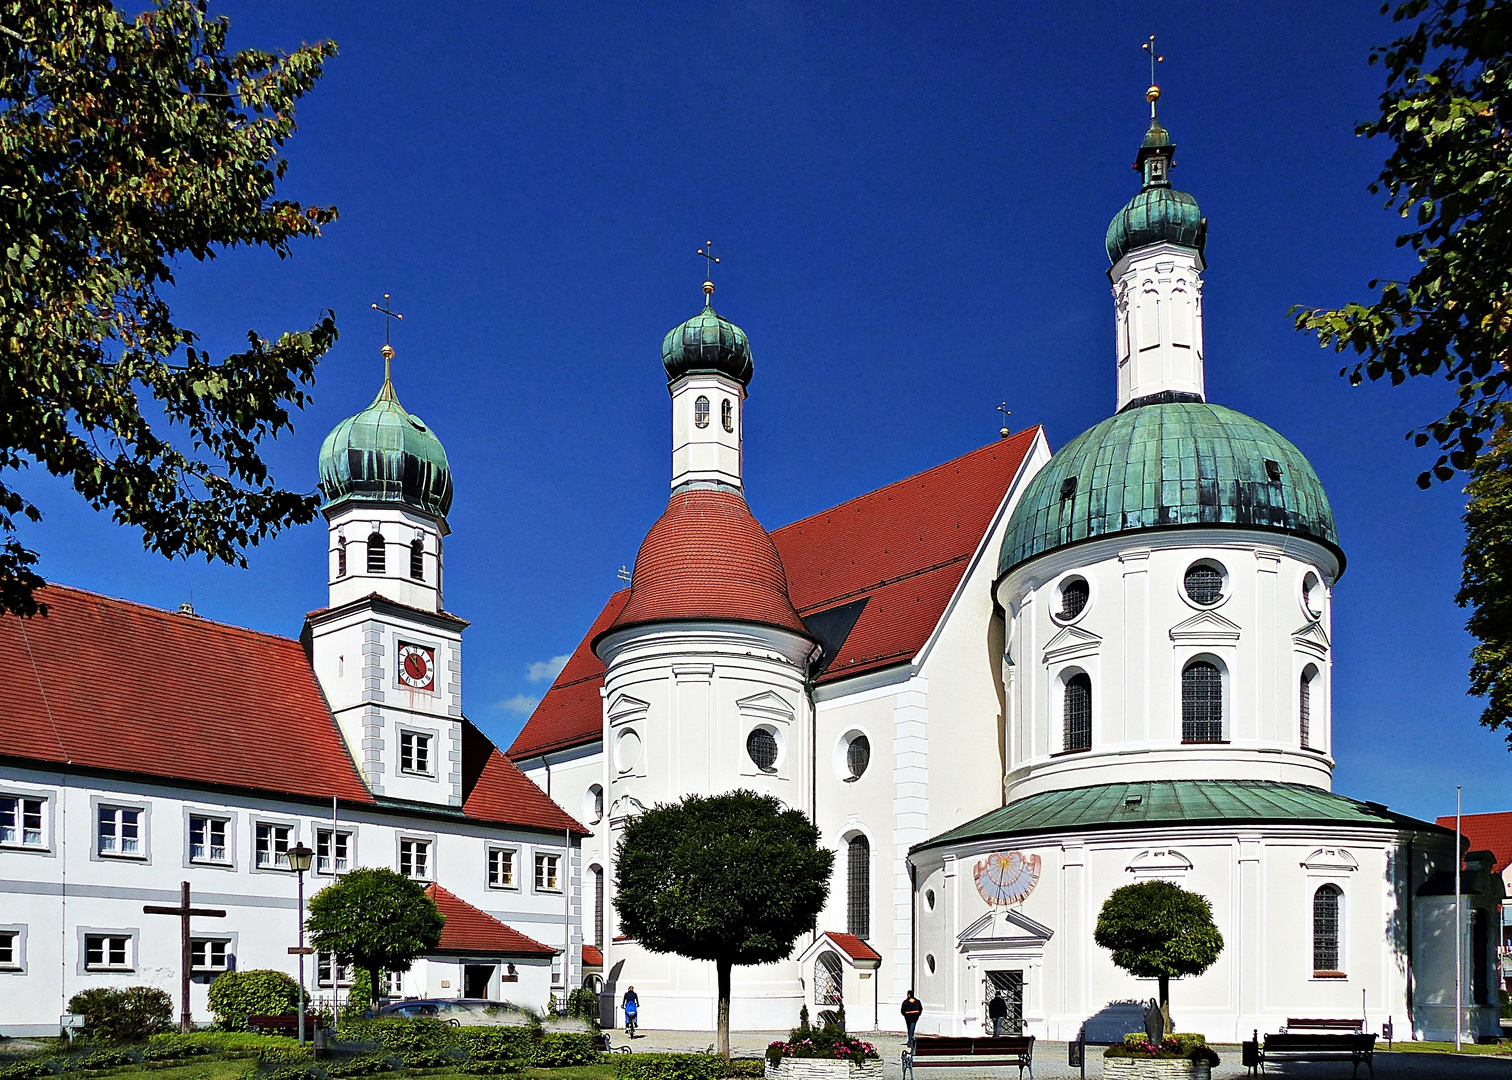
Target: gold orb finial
point(708, 288)
point(387, 351)
point(1152, 95)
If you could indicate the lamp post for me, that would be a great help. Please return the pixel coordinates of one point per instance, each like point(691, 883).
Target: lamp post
point(299, 862)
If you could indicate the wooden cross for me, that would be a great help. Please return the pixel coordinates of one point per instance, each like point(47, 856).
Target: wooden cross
point(184, 911)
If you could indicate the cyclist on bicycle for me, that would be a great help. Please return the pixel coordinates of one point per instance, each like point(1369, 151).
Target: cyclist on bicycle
point(631, 1005)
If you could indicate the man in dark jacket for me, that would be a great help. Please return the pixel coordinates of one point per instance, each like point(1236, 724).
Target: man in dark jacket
point(997, 1012)
point(912, 1009)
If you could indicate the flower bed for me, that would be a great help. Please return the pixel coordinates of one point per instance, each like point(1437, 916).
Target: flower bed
point(1178, 1057)
point(822, 1054)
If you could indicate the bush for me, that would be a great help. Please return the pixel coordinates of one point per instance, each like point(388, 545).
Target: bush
point(830, 1042)
point(103, 1059)
point(290, 1053)
point(231, 1043)
point(359, 997)
point(236, 995)
point(123, 1015)
point(747, 1067)
point(669, 1067)
point(568, 1048)
point(583, 1004)
point(1190, 1046)
point(429, 1059)
point(491, 1067)
point(402, 1035)
point(293, 1072)
point(176, 1051)
point(362, 1065)
point(26, 1070)
point(512, 1044)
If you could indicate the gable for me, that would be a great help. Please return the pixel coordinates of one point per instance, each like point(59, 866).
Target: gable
point(1005, 925)
point(1206, 628)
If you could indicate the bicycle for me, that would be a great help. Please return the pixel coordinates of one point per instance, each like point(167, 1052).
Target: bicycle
point(630, 1018)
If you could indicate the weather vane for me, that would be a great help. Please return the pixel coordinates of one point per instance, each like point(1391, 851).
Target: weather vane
point(710, 260)
point(1007, 412)
point(1153, 93)
point(387, 350)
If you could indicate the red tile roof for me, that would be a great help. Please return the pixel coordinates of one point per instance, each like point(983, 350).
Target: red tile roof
point(109, 684)
point(853, 946)
point(469, 930)
point(708, 558)
point(903, 549)
point(1487, 832)
point(593, 956)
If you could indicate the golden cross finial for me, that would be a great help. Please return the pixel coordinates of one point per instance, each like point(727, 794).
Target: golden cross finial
point(710, 260)
point(1007, 412)
point(387, 350)
point(1153, 93)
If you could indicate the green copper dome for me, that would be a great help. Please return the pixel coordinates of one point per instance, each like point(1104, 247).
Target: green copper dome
point(707, 345)
point(383, 454)
point(1159, 212)
point(1161, 465)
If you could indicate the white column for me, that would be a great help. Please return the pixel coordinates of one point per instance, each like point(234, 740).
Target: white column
point(1157, 295)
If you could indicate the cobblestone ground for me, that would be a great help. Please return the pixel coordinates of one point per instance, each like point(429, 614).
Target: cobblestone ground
point(1050, 1059)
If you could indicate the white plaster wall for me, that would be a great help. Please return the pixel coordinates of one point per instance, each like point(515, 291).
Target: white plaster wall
point(353, 523)
point(54, 891)
point(1157, 304)
point(709, 453)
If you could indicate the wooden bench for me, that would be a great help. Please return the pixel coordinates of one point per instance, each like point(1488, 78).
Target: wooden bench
point(1322, 1027)
point(1289, 1046)
point(943, 1050)
point(281, 1025)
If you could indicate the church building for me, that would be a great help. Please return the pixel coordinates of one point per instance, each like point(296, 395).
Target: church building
point(1005, 687)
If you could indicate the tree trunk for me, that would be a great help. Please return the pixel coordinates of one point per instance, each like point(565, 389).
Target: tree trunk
point(1165, 1004)
point(373, 987)
point(723, 1044)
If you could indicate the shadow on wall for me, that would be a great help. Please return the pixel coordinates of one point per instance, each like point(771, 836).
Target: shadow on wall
point(1115, 1020)
point(1400, 877)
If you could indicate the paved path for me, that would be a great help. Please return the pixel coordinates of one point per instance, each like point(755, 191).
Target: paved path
point(1050, 1059)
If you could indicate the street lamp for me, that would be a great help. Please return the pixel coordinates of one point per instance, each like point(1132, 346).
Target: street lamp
point(299, 862)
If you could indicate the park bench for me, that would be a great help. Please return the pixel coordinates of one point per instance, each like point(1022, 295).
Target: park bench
point(281, 1025)
point(1291, 1046)
point(1294, 1026)
point(944, 1050)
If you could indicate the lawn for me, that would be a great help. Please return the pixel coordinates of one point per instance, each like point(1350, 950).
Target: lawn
point(1504, 1049)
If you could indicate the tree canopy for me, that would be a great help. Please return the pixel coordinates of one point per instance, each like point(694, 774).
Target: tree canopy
point(374, 919)
point(733, 878)
point(1157, 930)
point(1445, 111)
point(1487, 583)
point(129, 144)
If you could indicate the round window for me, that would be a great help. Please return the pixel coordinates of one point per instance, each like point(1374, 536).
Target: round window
point(761, 745)
point(1312, 595)
point(929, 962)
point(727, 415)
point(701, 411)
point(627, 751)
point(858, 756)
point(1074, 593)
point(1203, 584)
point(929, 899)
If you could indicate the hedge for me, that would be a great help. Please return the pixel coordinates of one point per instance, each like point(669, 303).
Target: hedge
point(236, 995)
point(669, 1067)
point(123, 1014)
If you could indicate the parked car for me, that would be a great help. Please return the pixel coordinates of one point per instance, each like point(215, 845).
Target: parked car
point(458, 1011)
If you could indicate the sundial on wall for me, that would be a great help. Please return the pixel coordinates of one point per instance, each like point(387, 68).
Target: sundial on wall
point(1007, 877)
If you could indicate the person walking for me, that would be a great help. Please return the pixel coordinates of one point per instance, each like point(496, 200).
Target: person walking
point(912, 1009)
point(997, 1012)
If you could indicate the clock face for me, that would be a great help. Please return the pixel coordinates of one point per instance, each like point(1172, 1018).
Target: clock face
point(417, 666)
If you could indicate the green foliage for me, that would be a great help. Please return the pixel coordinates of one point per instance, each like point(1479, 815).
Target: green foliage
point(290, 1054)
point(746, 1067)
point(236, 995)
point(492, 1067)
point(102, 1059)
point(123, 1014)
point(26, 1070)
point(429, 1059)
point(361, 1065)
point(230, 1043)
point(405, 1035)
point(732, 878)
point(668, 1067)
point(292, 1072)
point(175, 1051)
point(512, 1044)
point(131, 144)
point(804, 1027)
point(562, 1048)
point(360, 997)
point(1486, 584)
point(1158, 930)
point(1449, 172)
point(376, 919)
point(1192, 1047)
point(830, 1042)
point(583, 1004)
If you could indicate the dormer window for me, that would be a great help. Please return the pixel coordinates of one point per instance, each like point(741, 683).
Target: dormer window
point(376, 561)
point(417, 560)
point(727, 415)
point(701, 411)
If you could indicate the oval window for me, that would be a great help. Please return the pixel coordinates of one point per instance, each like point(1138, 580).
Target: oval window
point(761, 745)
point(627, 751)
point(858, 756)
point(727, 415)
point(929, 899)
point(1312, 596)
point(701, 411)
point(929, 962)
point(1074, 594)
point(1204, 584)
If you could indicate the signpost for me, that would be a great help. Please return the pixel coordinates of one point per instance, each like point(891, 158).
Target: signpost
point(184, 911)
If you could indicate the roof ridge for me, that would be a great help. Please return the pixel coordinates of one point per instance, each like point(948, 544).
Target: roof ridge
point(153, 609)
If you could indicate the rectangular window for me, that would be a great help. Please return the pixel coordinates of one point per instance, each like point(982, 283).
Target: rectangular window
point(10, 949)
point(556, 970)
point(107, 952)
point(393, 984)
point(21, 822)
point(546, 873)
point(273, 846)
point(120, 832)
point(330, 972)
point(414, 753)
point(501, 868)
point(414, 859)
point(333, 848)
point(208, 954)
point(207, 839)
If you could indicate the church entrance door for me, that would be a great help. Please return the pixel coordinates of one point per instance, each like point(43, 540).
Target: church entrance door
point(1008, 985)
point(476, 979)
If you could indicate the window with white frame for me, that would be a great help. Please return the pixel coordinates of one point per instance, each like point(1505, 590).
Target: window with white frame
point(393, 984)
point(1304, 705)
point(546, 876)
point(207, 839)
point(21, 821)
point(119, 832)
point(415, 753)
point(1326, 919)
point(208, 954)
point(501, 868)
point(107, 952)
point(556, 970)
point(10, 949)
point(414, 858)
point(333, 851)
point(331, 972)
point(272, 845)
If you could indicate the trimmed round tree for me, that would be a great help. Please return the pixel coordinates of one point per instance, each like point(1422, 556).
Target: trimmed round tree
point(733, 878)
point(376, 920)
point(1157, 930)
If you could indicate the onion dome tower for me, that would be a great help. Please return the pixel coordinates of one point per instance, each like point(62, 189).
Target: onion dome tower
point(1166, 576)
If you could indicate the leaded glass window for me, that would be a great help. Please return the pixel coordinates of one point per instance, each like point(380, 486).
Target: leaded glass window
point(1204, 584)
point(1201, 703)
point(761, 744)
point(1078, 713)
point(1326, 928)
point(858, 886)
point(858, 755)
point(727, 415)
point(1074, 594)
point(701, 411)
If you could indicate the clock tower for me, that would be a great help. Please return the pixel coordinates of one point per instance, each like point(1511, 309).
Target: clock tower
point(386, 651)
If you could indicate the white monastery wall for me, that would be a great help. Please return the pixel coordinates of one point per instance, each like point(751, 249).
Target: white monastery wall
point(351, 525)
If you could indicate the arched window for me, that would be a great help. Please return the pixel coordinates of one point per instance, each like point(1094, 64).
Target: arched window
point(1304, 705)
point(1326, 929)
point(727, 415)
point(858, 883)
point(829, 980)
point(417, 560)
point(701, 411)
point(341, 559)
point(598, 906)
point(1201, 702)
point(376, 562)
point(1077, 730)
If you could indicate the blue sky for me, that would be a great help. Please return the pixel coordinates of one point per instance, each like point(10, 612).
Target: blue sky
point(910, 201)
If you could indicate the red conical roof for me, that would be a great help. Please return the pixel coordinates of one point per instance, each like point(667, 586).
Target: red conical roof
point(708, 558)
